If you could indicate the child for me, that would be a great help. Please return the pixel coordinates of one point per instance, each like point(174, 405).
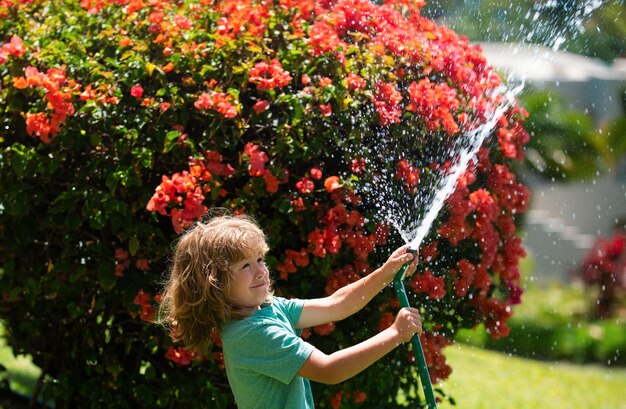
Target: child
point(219, 281)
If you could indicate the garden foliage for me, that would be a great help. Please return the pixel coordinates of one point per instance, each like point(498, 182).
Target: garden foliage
point(123, 121)
point(603, 269)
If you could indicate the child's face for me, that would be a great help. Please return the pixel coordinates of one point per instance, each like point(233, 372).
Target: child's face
point(250, 285)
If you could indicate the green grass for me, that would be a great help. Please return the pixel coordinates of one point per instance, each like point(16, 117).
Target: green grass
point(484, 379)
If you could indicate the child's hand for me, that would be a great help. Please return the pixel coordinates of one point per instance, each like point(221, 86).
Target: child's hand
point(407, 323)
point(400, 257)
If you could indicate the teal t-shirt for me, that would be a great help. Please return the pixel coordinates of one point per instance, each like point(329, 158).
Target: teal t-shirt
point(263, 353)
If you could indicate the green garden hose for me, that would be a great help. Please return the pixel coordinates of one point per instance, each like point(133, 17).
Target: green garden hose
point(418, 352)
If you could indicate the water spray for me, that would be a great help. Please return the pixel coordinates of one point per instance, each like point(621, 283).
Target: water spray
point(418, 351)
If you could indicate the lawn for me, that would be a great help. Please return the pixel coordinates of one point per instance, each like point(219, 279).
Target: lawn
point(484, 379)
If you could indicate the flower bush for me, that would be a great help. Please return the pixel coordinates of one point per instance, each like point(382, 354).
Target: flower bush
point(604, 269)
point(123, 121)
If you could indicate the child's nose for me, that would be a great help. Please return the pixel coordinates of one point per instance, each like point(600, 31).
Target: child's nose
point(260, 272)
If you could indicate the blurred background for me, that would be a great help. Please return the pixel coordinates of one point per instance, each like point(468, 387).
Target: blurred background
point(571, 57)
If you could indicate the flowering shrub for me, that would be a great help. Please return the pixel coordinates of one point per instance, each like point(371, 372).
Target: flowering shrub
point(124, 121)
point(604, 269)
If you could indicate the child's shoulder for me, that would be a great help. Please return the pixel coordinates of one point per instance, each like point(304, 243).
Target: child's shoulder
point(286, 304)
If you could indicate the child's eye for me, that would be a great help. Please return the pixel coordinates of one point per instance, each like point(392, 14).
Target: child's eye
point(246, 265)
point(261, 261)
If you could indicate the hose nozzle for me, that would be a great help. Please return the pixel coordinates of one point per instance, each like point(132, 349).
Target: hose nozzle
point(400, 274)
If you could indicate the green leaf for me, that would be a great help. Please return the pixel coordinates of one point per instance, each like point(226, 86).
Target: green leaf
point(170, 140)
point(21, 159)
point(106, 276)
point(133, 245)
point(150, 68)
point(283, 206)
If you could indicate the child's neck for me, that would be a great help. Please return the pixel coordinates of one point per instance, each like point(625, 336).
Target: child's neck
point(247, 310)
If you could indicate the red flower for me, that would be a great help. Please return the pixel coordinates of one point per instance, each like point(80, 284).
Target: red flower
point(144, 301)
point(269, 76)
point(433, 343)
point(359, 396)
point(193, 207)
point(239, 18)
point(14, 47)
point(300, 258)
point(180, 355)
point(159, 201)
point(204, 101)
point(147, 313)
point(164, 106)
point(387, 102)
point(217, 101)
point(260, 106)
point(142, 264)
point(58, 97)
point(324, 329)
point(512, 140)
point(179, 223)
point(271, 183)
point(136, 91)
point(182, 22)
point(324, 81)
point(465, 277)
point(515, 293)
point(293, 259)
point(357, 166)
point(482, 201)
point(121, 254)
point(141, 298)
point(258, 158)
point(298, 205)
point(305, 185)
point(335, 400)
point(316, 173)
point(385, 321)
point(332, 183)
point(214, 166)
point(225, 105)
point(323, 38)
point(125, 42)
point(429, 284)
point(354, 82)
point(169, 67)
point(408, 174)
point(435, 103)
point(316, 239)
point(40, 126)
point(615, 246)
point(326, 109)
point(455, 229)
point(496, 313)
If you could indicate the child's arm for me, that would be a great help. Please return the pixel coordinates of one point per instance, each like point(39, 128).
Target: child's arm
point(351, 298)
point(346, 363)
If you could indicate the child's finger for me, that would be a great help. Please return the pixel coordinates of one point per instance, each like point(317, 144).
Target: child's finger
point(411, 269)
point(401, 250)
point(406, 257)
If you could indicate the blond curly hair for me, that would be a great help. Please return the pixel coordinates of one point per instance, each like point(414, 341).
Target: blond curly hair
point(194, 302)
